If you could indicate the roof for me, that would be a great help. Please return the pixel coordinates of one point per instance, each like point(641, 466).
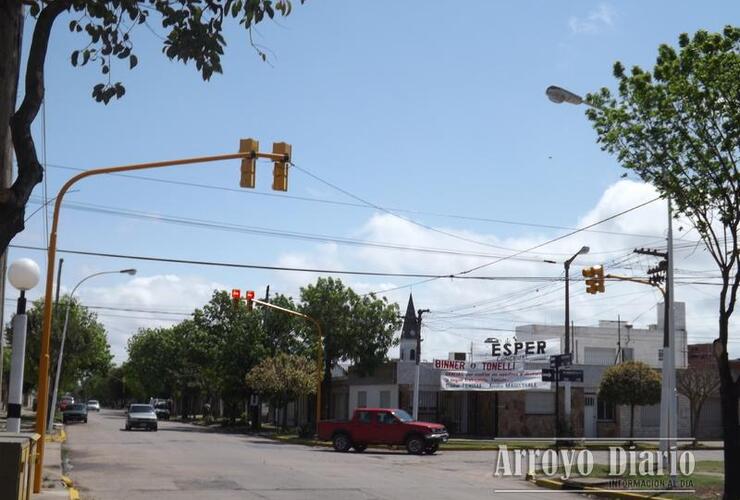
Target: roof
point(410, 322)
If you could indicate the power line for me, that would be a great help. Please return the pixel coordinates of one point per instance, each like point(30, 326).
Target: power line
point(358, 205)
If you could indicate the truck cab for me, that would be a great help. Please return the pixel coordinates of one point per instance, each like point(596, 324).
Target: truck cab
point(383, 426)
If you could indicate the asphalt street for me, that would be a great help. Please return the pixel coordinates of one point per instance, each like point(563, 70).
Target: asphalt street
point(183, 461)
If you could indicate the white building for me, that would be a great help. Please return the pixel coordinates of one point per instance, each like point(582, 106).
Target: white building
point(598, 345)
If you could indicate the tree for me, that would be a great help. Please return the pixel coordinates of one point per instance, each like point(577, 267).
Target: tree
point(283, 378)
point(697, 384)
point(86, 349)
point(283, 333)
point(237, 340)
point(357, 329)
point(633, 384)
point(678, 127)
point(193, 32)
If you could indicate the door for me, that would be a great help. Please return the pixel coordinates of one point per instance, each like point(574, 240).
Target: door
point(389, 429)
point(589, 415)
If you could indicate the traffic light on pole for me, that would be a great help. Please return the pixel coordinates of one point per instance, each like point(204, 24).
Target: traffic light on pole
point(249, 165)
point(250, 297)
point(280, 170)
point(594, 279)
point(236, 295)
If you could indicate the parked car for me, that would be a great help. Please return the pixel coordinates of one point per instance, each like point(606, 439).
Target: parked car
point(65, 402)
point(143, 416)
point(93, 405)
point(386, 426)
point(75, 413)
point(162, 410)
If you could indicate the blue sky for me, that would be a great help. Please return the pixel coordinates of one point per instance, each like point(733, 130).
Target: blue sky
point(424, 105)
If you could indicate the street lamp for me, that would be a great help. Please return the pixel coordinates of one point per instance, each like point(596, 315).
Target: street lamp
point(583, 251)
point(668, 406)
point(23, 274)
point(559, 95)
point(50, 426)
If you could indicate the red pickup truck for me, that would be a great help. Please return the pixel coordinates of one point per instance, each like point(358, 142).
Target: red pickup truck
point(387, 426)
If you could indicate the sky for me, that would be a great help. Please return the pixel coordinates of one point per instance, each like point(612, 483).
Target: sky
point(419, 124)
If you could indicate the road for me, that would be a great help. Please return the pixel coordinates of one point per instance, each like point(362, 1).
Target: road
point(183, 461)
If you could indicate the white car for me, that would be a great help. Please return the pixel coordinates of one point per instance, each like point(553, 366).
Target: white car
point(141, 416)
point(93, 405)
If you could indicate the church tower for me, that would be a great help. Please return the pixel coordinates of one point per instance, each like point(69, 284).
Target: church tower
point(409, 332)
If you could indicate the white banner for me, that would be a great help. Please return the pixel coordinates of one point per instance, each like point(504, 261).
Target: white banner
point(494, 380)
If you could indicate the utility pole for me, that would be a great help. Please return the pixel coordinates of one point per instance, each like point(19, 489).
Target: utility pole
point(619, 357)
point(668, 408)
point(420, 312)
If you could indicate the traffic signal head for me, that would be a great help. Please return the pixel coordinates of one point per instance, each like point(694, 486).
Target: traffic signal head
point(280, 170)
point(250, 297)
point(594, 279)
point(249, 165)
point(236, 294)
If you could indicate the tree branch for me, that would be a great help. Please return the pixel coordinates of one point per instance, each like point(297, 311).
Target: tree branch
point(30, 171)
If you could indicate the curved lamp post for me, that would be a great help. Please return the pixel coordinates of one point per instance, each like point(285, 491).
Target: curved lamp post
point(23, 274)
point(53, 406)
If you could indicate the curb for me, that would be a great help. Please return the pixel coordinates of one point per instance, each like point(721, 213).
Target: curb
point(554, 484)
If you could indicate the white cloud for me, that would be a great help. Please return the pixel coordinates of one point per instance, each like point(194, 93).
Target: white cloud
point(494, 305)
point(161, 295)
point(594, 22)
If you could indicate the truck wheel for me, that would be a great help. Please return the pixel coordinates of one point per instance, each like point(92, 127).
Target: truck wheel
point(359, 448)
point(431, 449)
point(415, 445)
point(341, 442)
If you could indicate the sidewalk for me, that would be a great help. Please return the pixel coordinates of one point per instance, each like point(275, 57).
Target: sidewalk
point(52, 486)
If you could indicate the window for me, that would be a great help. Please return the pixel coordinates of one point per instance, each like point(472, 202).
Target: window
point(628, 354)
point(364, 417)
point(361, 399)
point(599, 355)
point(650, 416)
point(412, 355)
point(386, 418)
point(459, 356)
point(385, 399)
point(539, 403)
point(605, 411)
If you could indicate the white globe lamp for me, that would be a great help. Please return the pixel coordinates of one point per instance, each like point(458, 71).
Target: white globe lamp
point(24, 274)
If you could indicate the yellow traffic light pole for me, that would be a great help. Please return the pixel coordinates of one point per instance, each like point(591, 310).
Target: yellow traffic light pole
point(635, 280)
point(43, 384)
point(319, 350)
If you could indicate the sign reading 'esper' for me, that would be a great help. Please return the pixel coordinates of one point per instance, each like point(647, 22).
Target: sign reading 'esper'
point(505, 372)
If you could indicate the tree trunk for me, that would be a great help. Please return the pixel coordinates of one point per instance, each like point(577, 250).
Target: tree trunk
point(632, 422)
point(11, 33)
point(13, 200)
point(730, 425)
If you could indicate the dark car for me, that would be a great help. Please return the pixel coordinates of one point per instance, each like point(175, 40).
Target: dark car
point(162, 410)
point(75, 413)
point(142, 416)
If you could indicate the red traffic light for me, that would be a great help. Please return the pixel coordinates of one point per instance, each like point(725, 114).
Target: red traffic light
point(249, 295)
point(236, 294)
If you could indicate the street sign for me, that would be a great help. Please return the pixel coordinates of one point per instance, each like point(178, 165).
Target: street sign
point(548, 375)
point(561, 360)
point(571, 375)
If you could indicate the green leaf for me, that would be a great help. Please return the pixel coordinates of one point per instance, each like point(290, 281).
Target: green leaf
point(75, 55)
point(133, 61)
